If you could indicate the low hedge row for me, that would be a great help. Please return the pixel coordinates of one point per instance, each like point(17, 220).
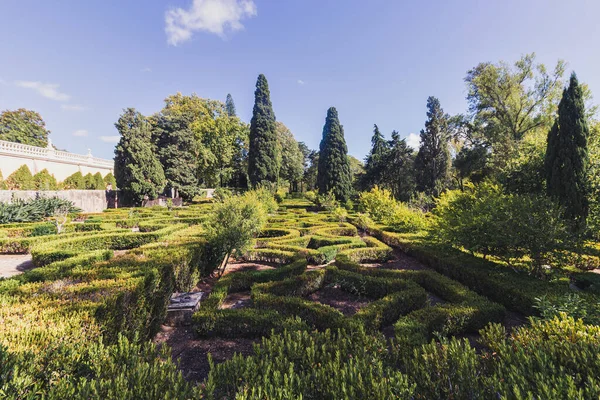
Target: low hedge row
point(245, 323)
point(44, 253)
point(364, 285)
point(301, 285)
point(318, 316)
point(390, 308)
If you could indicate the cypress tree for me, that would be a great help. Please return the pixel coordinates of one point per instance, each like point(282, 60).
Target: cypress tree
point(334, 169)
point(432, 163)
point(230, 106)
point(567, 160)
point(137, 170)
point(263, 155)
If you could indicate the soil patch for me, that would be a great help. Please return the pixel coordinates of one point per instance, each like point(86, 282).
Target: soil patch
point(237, 300)
point(400, 260)
point(191, 353)
point(247, 266)
point(347, 303)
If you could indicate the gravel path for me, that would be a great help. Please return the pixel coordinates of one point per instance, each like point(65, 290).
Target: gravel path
point(14, 264)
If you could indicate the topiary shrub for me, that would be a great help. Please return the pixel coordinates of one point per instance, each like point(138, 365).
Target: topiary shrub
point(74, 181)
point(44, 181)
point(21, 179)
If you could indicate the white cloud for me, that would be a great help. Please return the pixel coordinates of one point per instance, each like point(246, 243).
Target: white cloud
point(80, 133)
point(110, 139)
point(73, 107)
point(146, 69)
point(413, 140)
point(301, 82)
point(3, 82)
point(48, 90)
point(213, 16)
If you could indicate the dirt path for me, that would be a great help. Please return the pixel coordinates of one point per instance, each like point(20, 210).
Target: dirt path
point(191, 353)
point(14, 264)
point(400, 260)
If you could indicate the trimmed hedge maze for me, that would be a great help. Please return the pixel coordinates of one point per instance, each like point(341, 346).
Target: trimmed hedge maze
point(317, 237)
point(68, 326)
point(331, 324)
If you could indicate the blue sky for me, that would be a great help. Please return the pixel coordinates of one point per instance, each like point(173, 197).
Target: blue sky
point(79, 63)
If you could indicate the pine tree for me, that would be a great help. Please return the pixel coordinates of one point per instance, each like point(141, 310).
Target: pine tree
point(176, 153)
point(137, 170)
point(263, 157)
point(374, 164)
point(432, 163)
point(230, 106)
point(334, 169)
point(567, 160)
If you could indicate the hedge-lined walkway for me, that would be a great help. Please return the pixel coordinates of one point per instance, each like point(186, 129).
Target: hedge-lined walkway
point(14, 264)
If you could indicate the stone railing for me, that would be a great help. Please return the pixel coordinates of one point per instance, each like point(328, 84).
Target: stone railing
point(49, 153)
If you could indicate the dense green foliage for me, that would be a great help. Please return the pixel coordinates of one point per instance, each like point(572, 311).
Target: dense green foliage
point(23, 126)
point(333, 167)
point(138, 171)
point(567, 155)
point(74, 181)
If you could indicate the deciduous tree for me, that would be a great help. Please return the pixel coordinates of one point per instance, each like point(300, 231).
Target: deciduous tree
point(23, 126)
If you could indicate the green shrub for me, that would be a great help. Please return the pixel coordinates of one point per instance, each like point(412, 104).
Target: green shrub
point(33, 210)
point(382, 207)
point(44, 230)
point(485, 220)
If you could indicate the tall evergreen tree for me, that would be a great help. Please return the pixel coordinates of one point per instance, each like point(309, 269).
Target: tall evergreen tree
point(176, 153)
point(374, 165)
point(263, 155)
point(432, 163)
point(230, 106)
point(334, 168)
point(566, 162)
point(137, 170)
point(399, 173)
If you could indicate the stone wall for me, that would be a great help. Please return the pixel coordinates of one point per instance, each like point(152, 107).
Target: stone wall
point(90, 201)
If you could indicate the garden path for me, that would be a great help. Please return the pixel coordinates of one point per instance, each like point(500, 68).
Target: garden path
point(14, 264)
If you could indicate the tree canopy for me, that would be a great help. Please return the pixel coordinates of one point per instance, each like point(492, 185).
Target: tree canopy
point(23, 126)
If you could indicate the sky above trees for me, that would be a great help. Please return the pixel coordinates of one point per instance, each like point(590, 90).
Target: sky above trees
point(80, 63)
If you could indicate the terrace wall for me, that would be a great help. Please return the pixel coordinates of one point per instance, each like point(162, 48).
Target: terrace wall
point(61, 164)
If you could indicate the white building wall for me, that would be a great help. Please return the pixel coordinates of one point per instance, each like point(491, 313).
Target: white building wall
point(61, 164)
